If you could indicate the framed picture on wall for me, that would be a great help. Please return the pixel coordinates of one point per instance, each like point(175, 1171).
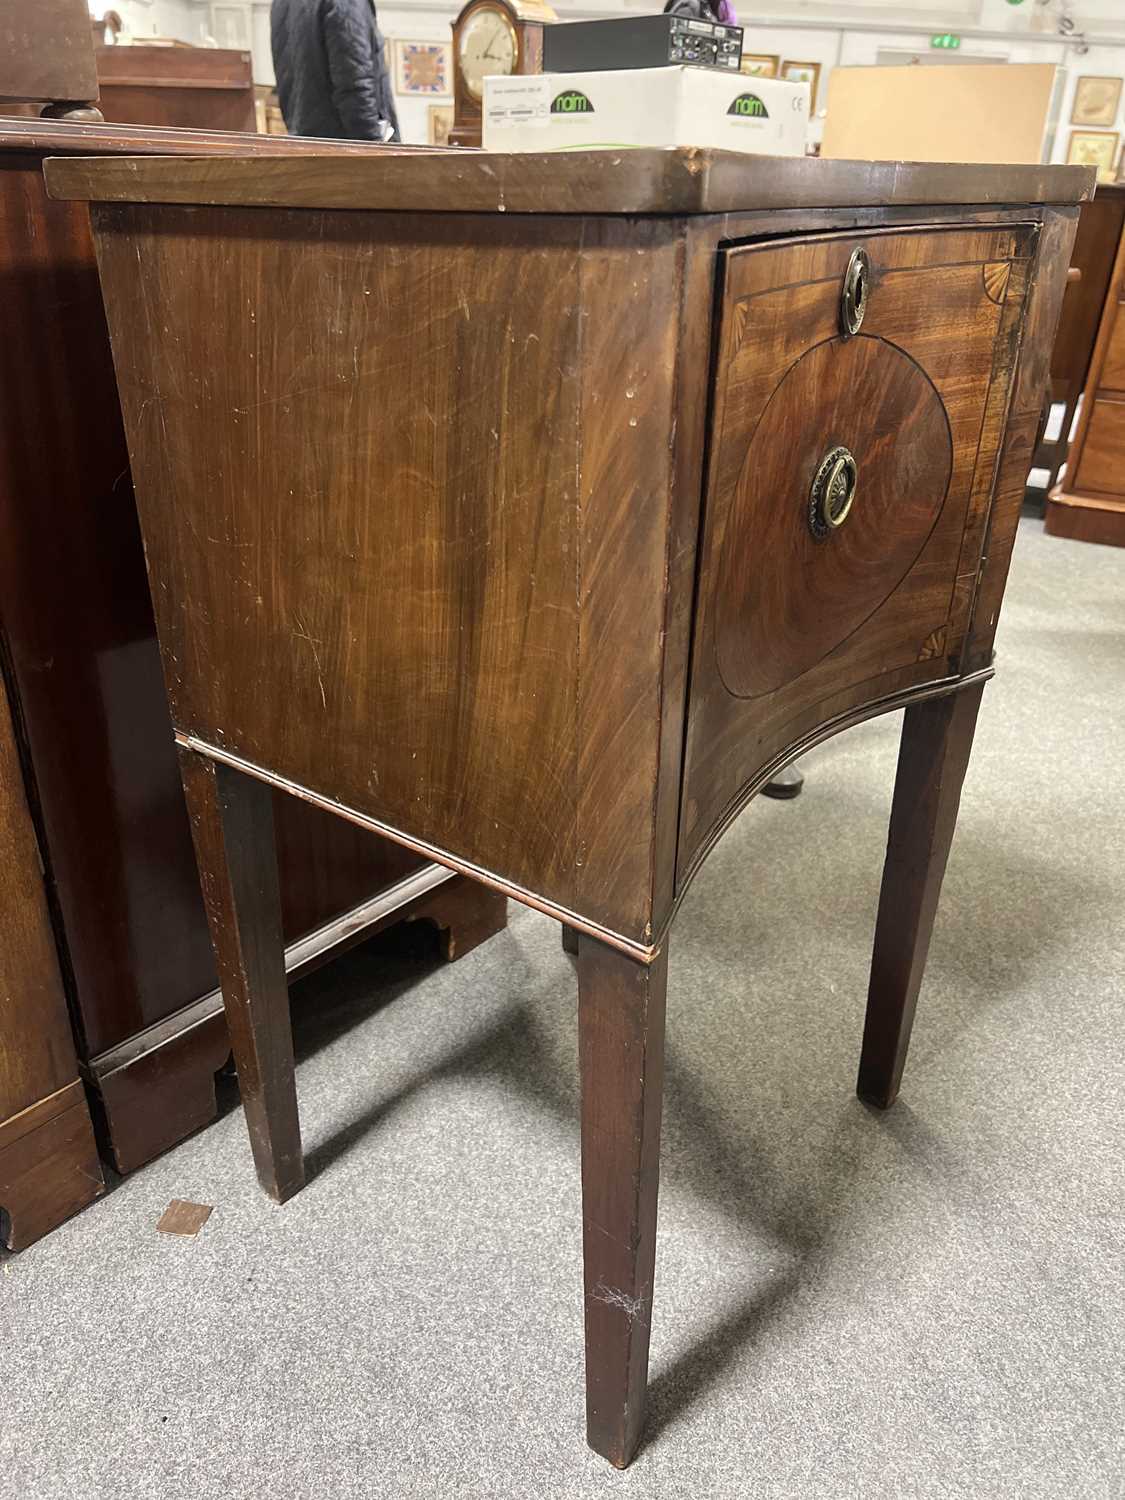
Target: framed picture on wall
point(440, 117)
point(760, 65)
point(803, 72)
point(1096, 101)
point(423, 68)
point(1094, 148)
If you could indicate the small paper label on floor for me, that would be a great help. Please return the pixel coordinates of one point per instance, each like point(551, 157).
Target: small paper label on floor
point(181, 1217)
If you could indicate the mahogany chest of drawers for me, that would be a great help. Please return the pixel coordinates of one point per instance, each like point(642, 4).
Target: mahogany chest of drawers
point(533, 510)
point(1089, 503)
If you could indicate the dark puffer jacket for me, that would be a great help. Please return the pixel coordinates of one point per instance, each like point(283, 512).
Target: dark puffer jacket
point(331, 69)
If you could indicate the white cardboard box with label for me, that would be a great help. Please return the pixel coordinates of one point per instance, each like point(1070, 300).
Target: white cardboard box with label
point(646, 107)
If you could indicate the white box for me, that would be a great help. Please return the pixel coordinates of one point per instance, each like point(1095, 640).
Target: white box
point(679, 106)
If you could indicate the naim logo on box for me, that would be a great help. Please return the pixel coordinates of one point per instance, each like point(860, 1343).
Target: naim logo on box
point(572, 102)
point(749, 106)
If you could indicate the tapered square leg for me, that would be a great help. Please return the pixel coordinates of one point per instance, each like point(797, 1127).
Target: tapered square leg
point(937, 737)
point(232, 826)
point(621, 1046)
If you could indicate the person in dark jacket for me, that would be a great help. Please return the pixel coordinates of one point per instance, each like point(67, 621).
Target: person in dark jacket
point(331, 69)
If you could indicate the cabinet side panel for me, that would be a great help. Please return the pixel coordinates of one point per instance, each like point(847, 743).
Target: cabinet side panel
point(355, 446)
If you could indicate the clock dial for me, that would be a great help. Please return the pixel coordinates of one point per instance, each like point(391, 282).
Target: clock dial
point(488, 45)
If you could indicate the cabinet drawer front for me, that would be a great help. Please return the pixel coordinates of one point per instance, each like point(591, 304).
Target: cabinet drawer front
point(1101, 464)
point(799, 619)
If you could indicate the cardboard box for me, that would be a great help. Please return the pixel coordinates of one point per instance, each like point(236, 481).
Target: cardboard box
point(677, 106)
point(975, 112)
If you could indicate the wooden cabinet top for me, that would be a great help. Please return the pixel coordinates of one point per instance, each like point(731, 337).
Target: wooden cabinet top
point(73, 137)
point(680, 180)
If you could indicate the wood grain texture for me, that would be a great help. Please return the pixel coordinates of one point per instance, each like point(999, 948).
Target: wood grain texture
point(792, 631)
point(48, 1163)
point(1101, 459)
point(1082, 518)
point(423, 498)
point(1096, 242)
point(1112, 376)
point(630, 297)
point(1089, 505)
point(199, 88)
point(509, 486)
point(74, 137)
point(1046, 285)
point(232, 826)
point(621, 1055)
point(683, 180)
point(47, 51)
point(37, 1057)
point(85, 670)
point(936, 740)
point(47, 1172)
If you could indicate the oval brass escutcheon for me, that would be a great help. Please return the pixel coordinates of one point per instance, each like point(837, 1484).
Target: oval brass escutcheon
point(833, 491)
point(853, 297)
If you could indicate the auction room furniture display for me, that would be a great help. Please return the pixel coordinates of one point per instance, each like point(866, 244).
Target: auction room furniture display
point(533, 509)
point(47, 56)
point(48, 1161)
point(78, 636)
point(198, 88)
point(1089, 504)
point(1095, 251)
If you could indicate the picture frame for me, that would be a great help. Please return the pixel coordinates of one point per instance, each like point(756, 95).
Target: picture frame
point(1096, 101)
point(1095, 148)
point(424, 68)
point(803, 72)
point(439, 122)
point(761, 64)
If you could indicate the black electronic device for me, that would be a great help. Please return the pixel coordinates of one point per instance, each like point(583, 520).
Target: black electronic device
point(659, 41)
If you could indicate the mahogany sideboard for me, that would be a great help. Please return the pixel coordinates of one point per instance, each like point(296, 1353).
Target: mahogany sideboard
point(1089, 503)
point(76, 629)
point(531, 510)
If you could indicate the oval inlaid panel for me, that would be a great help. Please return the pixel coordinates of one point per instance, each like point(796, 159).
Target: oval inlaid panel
point(787, 598)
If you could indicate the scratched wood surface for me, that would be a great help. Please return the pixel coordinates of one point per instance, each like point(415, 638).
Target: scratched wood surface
point(429, 455)
point(681, 180)
point(790, 628)
point(466, 548)
point(84, 670)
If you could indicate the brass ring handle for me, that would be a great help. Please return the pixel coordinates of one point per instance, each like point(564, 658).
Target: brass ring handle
point(853, 297)
point(833, 491)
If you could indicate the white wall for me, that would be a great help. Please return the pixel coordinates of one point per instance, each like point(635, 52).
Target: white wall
point(830, 32)
point(182, 19)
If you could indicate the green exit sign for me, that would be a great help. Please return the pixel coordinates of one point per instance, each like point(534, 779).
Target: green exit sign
point(946, 41)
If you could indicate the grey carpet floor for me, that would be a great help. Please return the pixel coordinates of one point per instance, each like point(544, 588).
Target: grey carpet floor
point(927, 1303)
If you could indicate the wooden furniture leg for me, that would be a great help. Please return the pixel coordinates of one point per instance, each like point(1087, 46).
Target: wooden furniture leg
point(937, 736)
point(232, 826)
point(621, 1052)
point(569, 939)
